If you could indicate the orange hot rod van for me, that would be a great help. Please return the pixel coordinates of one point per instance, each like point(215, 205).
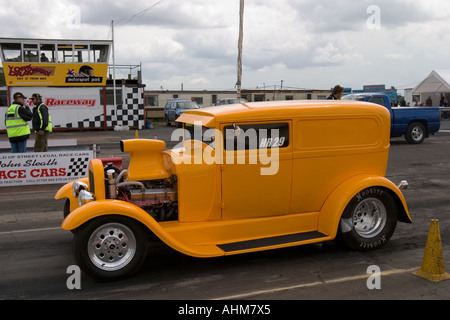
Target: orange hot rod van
point(246, 177)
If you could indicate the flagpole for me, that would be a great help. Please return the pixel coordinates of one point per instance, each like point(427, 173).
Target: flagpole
point(114, 69)
point(239, 68)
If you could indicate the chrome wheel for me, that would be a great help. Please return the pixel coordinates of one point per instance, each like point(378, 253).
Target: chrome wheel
point(369, 218)
point(417, 133)
point(112, 246)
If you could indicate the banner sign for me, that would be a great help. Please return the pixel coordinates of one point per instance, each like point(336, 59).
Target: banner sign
point(63, 98)
point(66, 105)
point(43, 167)
point(55, 74)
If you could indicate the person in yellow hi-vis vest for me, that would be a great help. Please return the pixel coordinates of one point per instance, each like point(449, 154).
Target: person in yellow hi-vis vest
point(16, 122)
point(42, 123)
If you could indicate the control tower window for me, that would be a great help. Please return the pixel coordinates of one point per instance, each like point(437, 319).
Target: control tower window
point(81, 53)
point(30, 52)
point(12, 52)
point(47, 53)
point(99, 53)
point(65, 53)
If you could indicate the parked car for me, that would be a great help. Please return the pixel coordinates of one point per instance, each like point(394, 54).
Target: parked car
point(262, 176)
point(230, 101)
point(414, 123)
point(174, 108)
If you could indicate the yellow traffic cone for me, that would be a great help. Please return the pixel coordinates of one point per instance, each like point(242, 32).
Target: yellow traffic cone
point(433, 267)
point(136, 135)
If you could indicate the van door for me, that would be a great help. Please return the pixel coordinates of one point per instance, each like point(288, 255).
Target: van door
point(256, 169)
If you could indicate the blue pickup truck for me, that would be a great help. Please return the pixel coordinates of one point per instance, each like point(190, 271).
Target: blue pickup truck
point(415, 123)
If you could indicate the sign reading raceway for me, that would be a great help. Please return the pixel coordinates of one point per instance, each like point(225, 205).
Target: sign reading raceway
point(43, 167)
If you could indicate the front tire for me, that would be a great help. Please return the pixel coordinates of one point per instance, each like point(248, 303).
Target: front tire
point(66, 210)
point(110, 247)
point(369, 220)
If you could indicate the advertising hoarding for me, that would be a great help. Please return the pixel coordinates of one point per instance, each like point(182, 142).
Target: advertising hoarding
point(55, 74)
point(43, 167)
point(66, 105)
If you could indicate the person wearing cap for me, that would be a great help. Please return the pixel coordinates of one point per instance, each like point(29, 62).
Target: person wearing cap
point(337, 93)
point(16, 122)
point(42, 123)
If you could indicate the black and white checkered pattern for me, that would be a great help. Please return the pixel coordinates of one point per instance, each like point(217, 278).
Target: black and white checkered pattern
point(131, 114)
point(78, 167)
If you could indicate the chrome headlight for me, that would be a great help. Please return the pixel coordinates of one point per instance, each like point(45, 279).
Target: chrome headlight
point(77, 186)
point(403, 185)
point(84, 197)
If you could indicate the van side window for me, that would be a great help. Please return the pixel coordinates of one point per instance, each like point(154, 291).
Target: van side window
point(256, 136)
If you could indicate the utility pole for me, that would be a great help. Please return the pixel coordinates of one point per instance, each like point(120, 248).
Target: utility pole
point(239, 68)
point(114, 68)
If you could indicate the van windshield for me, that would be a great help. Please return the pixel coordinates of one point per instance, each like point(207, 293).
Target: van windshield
point(200, 133)
point(187, 105)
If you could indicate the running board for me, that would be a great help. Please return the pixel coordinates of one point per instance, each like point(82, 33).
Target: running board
point(271, 241)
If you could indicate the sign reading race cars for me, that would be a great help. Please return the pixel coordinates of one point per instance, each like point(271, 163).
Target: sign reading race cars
point(43, 168)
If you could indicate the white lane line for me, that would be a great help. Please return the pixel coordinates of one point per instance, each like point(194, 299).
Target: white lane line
point(313, 284)
point(29, 230)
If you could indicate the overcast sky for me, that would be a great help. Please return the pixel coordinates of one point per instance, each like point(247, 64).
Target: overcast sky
point(304, 43)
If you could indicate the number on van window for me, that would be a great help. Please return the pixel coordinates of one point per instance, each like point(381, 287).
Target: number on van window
point(257, 136)
point(276, 142)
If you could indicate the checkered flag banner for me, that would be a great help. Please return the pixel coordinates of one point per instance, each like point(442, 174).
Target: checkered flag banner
point(78, 167)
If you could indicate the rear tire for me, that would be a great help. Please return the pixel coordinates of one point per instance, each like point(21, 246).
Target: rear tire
point(369, 220)
point(415, 133)
point(110, 247)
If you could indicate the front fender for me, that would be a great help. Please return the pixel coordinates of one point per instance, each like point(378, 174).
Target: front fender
point(332, 210)
point(99, 208)
point(66, 192)
point(117, 207)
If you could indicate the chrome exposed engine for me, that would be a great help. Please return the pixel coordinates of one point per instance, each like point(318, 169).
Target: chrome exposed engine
point(158, 197)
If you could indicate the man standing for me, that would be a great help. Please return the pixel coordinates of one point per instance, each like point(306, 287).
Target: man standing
point(337, 93)
point(16, 122)
point(42, 123)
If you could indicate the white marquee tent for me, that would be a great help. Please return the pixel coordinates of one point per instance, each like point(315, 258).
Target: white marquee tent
point(437, 81)
point(436, 84)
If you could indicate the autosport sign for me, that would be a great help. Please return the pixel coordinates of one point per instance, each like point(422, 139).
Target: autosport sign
point(55, 74)
point(43, 167)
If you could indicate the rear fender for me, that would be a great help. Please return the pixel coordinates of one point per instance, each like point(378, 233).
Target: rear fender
point(332, 210)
